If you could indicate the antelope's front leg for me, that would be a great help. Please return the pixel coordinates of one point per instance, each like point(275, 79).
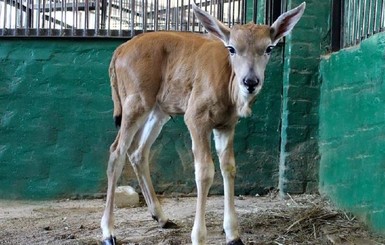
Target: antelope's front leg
point(224, 146)
point(204, 175)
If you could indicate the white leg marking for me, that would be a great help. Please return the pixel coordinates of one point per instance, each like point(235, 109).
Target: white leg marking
point(131, 122)
point(224, 147)
point(204, 175)
point(139, 154)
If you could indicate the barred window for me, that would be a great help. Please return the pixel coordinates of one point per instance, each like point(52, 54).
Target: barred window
point(121, 18)
point(355, 20)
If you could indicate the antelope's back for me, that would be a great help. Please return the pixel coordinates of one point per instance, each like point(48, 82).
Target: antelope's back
point(163, 65)
point(158, 49)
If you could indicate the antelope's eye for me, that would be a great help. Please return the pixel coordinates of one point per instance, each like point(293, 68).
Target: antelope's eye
point(231, 50)
point(269, 49)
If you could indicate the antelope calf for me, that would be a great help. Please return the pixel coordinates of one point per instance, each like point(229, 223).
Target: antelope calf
point(211, 79)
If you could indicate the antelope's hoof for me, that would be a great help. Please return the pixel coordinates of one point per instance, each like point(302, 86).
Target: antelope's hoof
point(170, 225)
point(110, 241)
point(236, 242)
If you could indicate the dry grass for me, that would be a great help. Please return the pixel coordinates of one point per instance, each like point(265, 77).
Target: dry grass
point(310, 220)
point(267, 220)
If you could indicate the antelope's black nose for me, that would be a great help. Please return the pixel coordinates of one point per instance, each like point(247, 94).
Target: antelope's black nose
point(251, 83)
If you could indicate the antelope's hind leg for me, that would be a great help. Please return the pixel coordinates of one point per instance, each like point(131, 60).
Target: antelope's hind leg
point(132, 120)
point(139, 158)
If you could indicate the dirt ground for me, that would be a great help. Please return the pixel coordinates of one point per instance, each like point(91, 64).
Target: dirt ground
point(303, 219)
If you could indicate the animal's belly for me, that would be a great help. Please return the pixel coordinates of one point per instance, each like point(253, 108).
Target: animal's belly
point(173, 102)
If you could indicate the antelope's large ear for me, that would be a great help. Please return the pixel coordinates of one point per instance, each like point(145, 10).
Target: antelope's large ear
point(211, 24)
point(285, 23)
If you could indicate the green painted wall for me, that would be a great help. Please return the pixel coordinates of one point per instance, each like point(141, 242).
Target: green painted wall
point(301, 88)
point(56, 125)
point(55, 113)
point(352, 130)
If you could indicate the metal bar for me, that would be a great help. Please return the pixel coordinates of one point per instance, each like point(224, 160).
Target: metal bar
point(15, 6)
point(188, 16)
point(363, 23)
point(38, 18)
point(103, 14)
point(229, 13)
point(97, 18)
point(4, 16)
point(50, 16)
point(149, 15)
point(352, 23)
point(369, 29)
point(267, 10)
point(144, 15)
point(220, 10)
point(86, 16)
point(348, 24)
point(120, 16)
point(156, 16)
point(167, 15)
point(132, 18)
point(21, 16)
point(10, 16)
point(65, 11)
point(54, 13)
point(233, 13)
point(211, 9)
point(354, 9)
point(337, 23)
point(152, 12)
point(361, 18)
point(32, 14)
point(193, 21)
point(176, 15)
point(239, 11)
point(27, 17)
point(76, 15)
point(61, 17)
point(42, 19)
point(255, 11)
point(183, 24)
point(73, 21)
point(109, 17)
point(355, 20)
point(277, 10)
point(382, 22)
point(375, 17)
point(199, 25)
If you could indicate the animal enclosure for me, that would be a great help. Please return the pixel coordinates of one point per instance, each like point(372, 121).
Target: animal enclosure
point(56, 125)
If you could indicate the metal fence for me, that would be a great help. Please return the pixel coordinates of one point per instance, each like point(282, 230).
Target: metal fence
point(108, 17)
point(123, 18)
point(355, 20)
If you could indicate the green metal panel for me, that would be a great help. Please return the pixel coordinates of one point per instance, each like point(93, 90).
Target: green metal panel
point(352, 126)
point(56, 125)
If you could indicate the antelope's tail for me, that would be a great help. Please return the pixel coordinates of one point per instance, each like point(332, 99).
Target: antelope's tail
point(115, 93)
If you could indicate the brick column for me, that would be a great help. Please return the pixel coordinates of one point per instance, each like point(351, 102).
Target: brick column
point(299, 157)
